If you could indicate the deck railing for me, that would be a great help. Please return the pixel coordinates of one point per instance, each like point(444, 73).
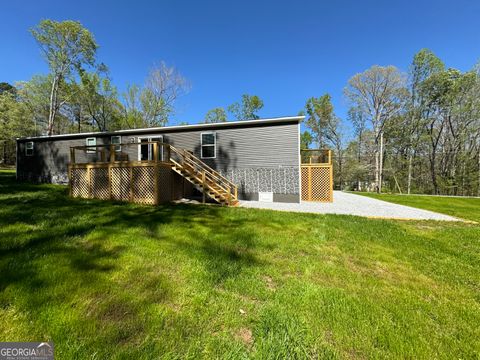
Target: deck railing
point(156, 151)
point(316, 156)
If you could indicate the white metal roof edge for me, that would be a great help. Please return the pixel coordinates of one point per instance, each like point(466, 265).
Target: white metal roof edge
point(174, 127)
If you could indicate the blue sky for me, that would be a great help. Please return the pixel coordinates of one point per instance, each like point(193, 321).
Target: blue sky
point(282, 51)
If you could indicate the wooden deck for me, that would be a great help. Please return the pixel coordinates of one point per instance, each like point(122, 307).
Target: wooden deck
point(151, 181)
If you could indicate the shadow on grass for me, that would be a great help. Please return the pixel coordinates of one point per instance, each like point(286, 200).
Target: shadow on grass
point(54, 248)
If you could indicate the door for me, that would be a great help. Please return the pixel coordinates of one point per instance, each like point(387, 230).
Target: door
point(145, 150)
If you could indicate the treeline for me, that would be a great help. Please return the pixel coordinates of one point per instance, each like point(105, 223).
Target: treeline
point(77, 95)
point(417, 132)
point(413, 133)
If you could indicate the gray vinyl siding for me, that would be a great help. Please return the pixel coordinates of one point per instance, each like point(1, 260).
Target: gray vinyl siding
point(237, 148)
point(50, 158)
point(273, 145)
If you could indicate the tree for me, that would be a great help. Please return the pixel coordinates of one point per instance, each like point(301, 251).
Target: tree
point(14, 122)
point(326, 128)
point(247, 109)
point(162, 88)
point(99, 100)
point(378, 93)
point(6, 87)
point(132, 116)
point(305, 140)
point(357, 118)
point(216, 115)
point(319, 118)
point(424, 65)
point(67, 46)
point(35, 93)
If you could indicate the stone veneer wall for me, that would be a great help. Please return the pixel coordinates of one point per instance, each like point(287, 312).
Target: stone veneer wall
point(283, 182)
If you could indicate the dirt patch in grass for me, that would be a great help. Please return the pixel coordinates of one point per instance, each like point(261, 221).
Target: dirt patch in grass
point(269, 283)
point(245, 335)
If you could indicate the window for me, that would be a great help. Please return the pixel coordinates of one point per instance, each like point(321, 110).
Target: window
point(91, 142)
point(116, 140)
point(29, 149)
point(209, 144)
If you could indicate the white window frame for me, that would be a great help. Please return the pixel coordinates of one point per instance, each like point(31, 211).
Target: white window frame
point(214, 145)
point(118, 148)
point(90, 151)
point(150, 147)
point(29, 146)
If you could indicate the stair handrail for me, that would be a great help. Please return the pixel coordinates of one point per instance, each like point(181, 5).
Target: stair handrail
point(196, 159)
point(215, 176)
point(219, 181)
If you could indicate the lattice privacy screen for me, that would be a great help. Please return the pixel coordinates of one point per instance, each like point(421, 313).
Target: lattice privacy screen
point(120, 177)
point(79, 183)
point(100, 187)
point(317, 183)
point(140, 184)
point(143, 185)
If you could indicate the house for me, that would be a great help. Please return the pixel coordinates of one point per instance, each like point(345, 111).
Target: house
point(261, 157)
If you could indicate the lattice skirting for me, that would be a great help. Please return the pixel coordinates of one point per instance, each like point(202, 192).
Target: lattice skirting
point(140, 184)
point(79, 183)
point(317, 183)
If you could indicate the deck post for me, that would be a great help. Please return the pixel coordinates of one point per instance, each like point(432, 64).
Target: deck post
point(70, 179)
point(309, 183)
point(203, 185)
point(331, 182)
point(155, 191)
point(131, 182)
point(89, 180)
point(112, 153)
point(72, 155)
point(109, 172)
point(155, 152)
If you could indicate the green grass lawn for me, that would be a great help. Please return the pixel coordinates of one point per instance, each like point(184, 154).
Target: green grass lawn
point(108, 280)
point(464, 208)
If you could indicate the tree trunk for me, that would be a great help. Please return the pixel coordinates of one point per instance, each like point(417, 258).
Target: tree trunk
point(359, 160)
point(377, 162)
point(53, 105)
point(409, 178)
point(433, 173)
point(340, 167)
point(4, 160)
point(478, 185)
point(380, 165)
point(376, 168)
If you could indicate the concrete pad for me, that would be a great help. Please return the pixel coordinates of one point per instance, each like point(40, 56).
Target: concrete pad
point(352, 204)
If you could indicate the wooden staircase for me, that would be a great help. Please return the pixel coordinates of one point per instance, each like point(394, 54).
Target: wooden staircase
point(203, 177)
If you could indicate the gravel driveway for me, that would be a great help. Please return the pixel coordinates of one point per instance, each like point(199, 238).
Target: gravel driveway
point(351, 204)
